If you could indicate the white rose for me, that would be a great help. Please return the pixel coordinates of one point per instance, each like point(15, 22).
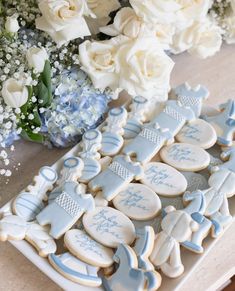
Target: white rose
point(36, 58)
point(14, 93)
point(98, 61)
point(11, 24)
point(144, 68)
point(126, 22)
point(101, 9)
point(180, 12)
point(202, 39)
point(64, 20)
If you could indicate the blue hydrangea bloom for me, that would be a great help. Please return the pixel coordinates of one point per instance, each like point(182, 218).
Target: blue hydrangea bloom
point(77, 106)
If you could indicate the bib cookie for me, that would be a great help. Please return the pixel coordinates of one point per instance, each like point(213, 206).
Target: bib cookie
point(109, 226)
point(185, 157)
point(138, 202)
point(164, 179)
point(198, 132)
point(87, 249)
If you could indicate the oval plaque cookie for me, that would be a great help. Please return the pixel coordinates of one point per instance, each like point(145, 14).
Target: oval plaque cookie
point(185, 157)
point(163, 179)
point(109, 226)
point(198, 132)
point(138, 202)
point(81, 245)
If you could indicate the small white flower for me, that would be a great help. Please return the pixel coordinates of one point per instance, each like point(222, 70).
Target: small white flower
point(36, 58)
point(31, 116)
point(11, 24)
point(14, 93)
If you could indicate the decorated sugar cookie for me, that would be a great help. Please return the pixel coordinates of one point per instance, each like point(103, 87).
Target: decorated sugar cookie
point(91, 144)
point(198, 132)
point(38, 236)
point(195, 181)
point(43, 182)
point(144, 246)
point(27, 206)
point(164, 179)
point(138, 202)
point(224, 123)
point(148, 142)
point(66, 209)
point(112, 139)
point(12, 227)
point(116, 177)
point(177, 226)
point(185, 157)
point(81, 245)
point(71, 171)
point(109, 226)
point(136, 117)
point(228, 156)
point(192, 97)
point(75, 270)
point(128, 276)
point(100, 201)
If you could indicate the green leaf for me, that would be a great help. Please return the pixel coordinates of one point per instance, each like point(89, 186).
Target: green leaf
point(43, 94)
point(30, 136)
point(46, 79)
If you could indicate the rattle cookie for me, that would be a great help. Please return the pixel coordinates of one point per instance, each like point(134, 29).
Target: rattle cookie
point(65, 210)
point(116, 177)
point(164, 179)
point(198, 132)
point(224, 123)
point(71, 171)
point(185, 157)
point(128, 276)
point(109, 226)
point(112, 139)
point(75, 270)
point(136, 117)
point(85, 248)
point(192, 97)
point(43, 182)
point(177, 226)
point(138, 202)
point(91, 144)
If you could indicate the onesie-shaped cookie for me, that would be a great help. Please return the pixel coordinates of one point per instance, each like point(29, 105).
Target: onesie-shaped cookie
point(192, 97)
point(148, 142)
point(71, 171)
point(66, 209)
point(177, 226)
point(224, 123)
point(128, 276)
point(116, 176)
point(91, 144)
point(44, 181)
point(136, 117)
point(112, 139)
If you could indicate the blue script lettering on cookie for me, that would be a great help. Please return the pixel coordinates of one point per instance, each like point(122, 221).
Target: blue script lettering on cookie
point(158, 177)
point(180, 154)
point(88, 244)
point(191, 131)
point(133, 198)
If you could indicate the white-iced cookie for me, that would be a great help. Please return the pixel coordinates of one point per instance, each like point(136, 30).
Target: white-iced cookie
point(39, 237)
point(12, 227)
point(109, 226)
point(164, 179)
point(185, 157)
point(27, 206)
point(198, 132)
point(138, 202)
point(81, 245)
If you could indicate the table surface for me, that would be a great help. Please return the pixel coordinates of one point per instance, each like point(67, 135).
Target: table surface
point(16, 272)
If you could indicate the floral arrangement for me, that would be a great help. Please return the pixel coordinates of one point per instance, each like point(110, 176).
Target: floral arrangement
point(62, 62)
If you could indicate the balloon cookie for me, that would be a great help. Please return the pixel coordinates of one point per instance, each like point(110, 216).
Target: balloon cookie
point(138, 202)
point(87, 249)
point(109, 226)
point(185, 157)
point(75, 270)
point(164, 179)
point(198, 132)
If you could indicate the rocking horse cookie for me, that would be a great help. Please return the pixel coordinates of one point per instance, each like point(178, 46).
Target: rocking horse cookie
point(112, 140)
point(128, 276)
